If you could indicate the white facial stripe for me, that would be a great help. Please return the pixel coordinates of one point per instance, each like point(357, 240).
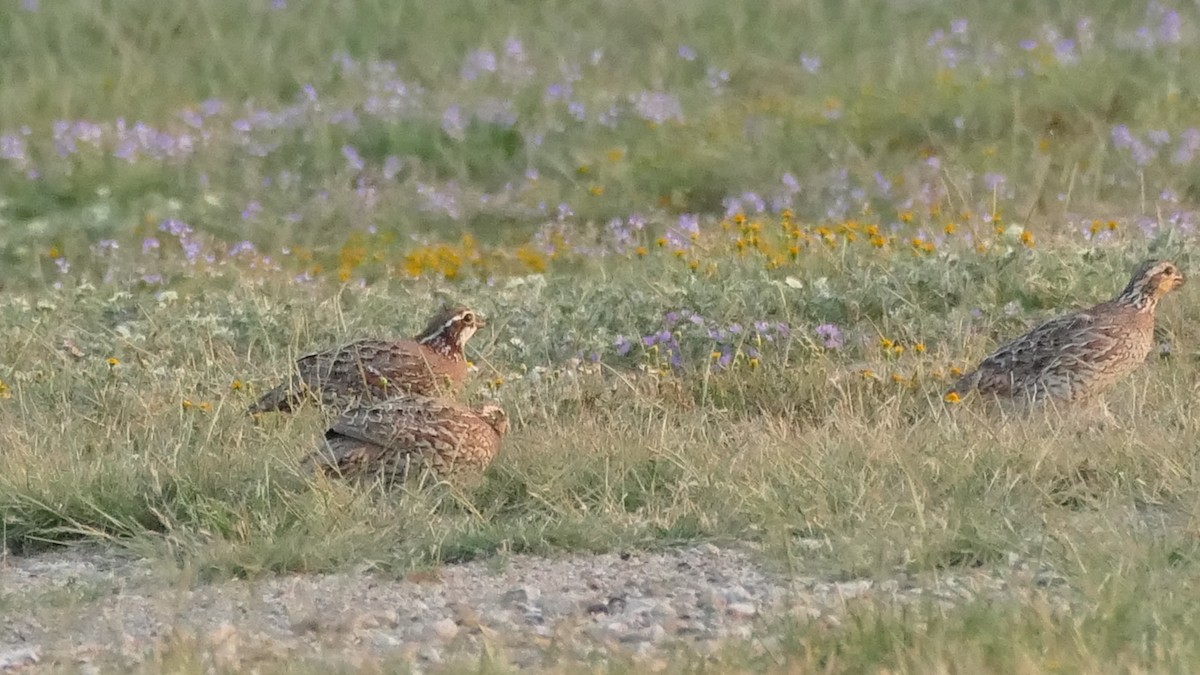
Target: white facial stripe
point(442, 330)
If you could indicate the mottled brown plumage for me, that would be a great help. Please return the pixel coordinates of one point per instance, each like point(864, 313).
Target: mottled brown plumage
point(431, 363)
point(1076, 356)
point(408, 433)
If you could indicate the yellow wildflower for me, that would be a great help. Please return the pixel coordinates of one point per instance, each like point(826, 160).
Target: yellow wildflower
point(661, 242)
point(596, 190)
point(955, 372)
point(206, 407)
point(906, 216)
point(1027, 238)
point(919, 348)
point(4, 392)
point(898, 378)
point(950, 228)
point(112, 361)
point(753, 363)
point(641, 251)
point(885, 343)
point(953, 397)
point(531, 258)
point(616, 154)
point(236, 385)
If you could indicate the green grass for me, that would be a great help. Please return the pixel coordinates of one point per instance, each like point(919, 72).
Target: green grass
point(155, 454)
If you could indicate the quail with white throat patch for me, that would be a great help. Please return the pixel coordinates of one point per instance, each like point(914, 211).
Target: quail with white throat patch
point(432, 363)
point(1076, 356)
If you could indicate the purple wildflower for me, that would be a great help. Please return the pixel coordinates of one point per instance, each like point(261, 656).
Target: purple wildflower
point(453, 123)
point(478, 62)
point(1170, 29)
point(251, 211)
point(830, 336)
point(353, 159)
point(1064, 51)
point(991, 181)
point(240, 248)
point(557, 91)
point(12, 148)
point(790, 183)
point(657, 106)
point(622, 345)
point(391, 167)
point(174, 227)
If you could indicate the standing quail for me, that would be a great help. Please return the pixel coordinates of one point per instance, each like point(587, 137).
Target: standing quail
point(411, 432)
point(431, 363)
point(1076, 356)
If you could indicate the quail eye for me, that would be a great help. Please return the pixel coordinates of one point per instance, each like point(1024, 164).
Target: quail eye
point(468, 319)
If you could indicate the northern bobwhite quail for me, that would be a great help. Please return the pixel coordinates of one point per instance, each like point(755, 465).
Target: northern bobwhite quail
point(1076, 356)
point(431, 363)
point(411, 432)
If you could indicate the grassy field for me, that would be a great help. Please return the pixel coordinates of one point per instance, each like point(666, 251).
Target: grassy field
point(731, 254)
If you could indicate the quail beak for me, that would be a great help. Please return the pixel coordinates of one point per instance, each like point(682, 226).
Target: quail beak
point(480, 320)
point(1177, 283)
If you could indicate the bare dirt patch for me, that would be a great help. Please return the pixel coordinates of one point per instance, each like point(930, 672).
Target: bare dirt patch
point(95, 608)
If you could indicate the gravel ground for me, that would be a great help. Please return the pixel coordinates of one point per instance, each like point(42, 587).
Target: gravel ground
point(91, 609)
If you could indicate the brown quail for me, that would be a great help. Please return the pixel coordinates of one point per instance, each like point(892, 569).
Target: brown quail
point(431, 363)
point(408, 433)
point(1076, 356)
